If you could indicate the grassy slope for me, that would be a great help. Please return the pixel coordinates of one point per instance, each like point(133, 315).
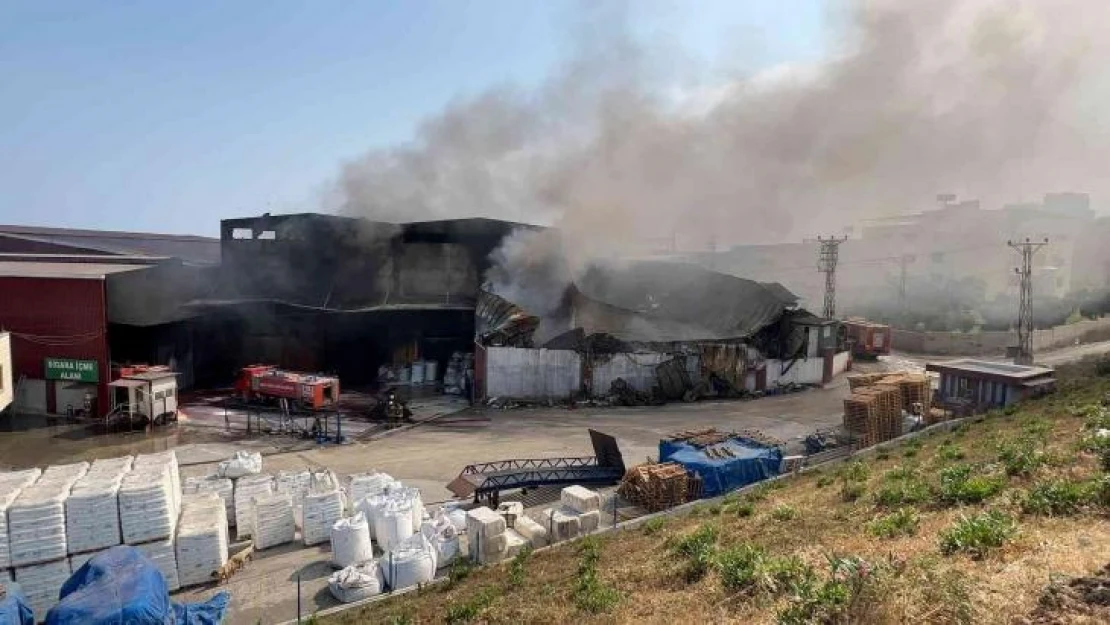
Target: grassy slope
point(920, 585)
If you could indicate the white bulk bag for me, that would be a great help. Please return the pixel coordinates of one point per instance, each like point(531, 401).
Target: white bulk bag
point(444, 538)
point(395, 523)
point(242, 464)
point(356, 582)
point(412, 495)
point(412, 563)
point(350, 541)
point(362, 485)
point(246, 490)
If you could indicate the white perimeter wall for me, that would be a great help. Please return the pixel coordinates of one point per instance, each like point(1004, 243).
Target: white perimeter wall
point(840, 363)
point(532, 373)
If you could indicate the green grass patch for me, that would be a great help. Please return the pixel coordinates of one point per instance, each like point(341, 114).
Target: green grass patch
point(784, 513)
point(1021, 456)
point(1057, 498)
point(517, 568)
point(901, 522)
point(961, 484)
point(591, 594)
point(978, 534)
point(469, 610)
point(656, 525)
point(699, 548)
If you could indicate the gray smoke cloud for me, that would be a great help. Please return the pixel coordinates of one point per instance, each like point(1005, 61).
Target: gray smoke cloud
point(996, 99)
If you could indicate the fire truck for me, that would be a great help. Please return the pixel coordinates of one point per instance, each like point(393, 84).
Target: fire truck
point(869, 340)
point(269, 384)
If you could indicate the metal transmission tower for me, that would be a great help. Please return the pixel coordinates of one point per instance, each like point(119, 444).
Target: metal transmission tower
point(826, 264)
point(1024, 355)
point(902, 262)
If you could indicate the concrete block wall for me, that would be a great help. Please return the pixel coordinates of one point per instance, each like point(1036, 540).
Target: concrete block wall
point(994, 343)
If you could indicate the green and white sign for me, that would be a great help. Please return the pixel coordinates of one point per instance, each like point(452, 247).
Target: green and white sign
point(72, 370)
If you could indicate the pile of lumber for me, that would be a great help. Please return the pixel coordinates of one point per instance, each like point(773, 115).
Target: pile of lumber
point(657, 487)
point(860, 380)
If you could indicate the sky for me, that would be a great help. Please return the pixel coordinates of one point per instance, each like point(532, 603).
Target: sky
point(167, 117)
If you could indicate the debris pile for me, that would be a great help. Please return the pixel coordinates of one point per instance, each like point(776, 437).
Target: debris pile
point(1083, 599)
point(655, 487)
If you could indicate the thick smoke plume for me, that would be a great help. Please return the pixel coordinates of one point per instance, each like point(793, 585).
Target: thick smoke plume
point(996, 99)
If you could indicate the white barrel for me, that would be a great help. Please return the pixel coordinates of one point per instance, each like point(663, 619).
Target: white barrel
point(418, 372)
point(431, 371)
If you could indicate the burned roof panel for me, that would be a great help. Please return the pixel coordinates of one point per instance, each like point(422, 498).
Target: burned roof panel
point(679, 302)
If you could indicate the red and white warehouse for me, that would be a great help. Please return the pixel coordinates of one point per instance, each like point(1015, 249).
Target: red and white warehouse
point(74, 302)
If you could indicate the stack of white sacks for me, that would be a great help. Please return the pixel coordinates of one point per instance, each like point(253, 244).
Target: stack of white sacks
point(247, 489)
point(295, 485)
point(323, 506)
point(149, 497)
point(42, 583)
point(222, 486)
point(37, 518)
point(410, 563)
point(149, 504)
point(272, 521)
point(443, 538)
point(36, 534)
point(202, 538)
point(580, 514)
point(11, 485)
point(92, 509)
point(164, 556)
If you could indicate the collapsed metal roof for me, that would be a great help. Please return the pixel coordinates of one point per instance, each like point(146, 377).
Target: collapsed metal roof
point(660, 302)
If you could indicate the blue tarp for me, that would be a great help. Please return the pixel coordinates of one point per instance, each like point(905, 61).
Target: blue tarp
point(122, 586)
point(751, 463)
point(14, 609)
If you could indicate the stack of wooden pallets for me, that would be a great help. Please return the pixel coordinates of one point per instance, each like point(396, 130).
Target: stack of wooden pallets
point(860, 380)
point(656, 487)
point(861, 416)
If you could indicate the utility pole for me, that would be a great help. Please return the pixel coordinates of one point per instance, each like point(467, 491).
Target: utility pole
point(826, 264)
point(1024, 355)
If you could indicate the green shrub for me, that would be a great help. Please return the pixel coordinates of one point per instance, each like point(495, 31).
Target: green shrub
point(902, 472)
point(784, 513)
point(841, 598)
point(460, 570)
point(903, 492)
point(1056, 498)
point(656, 525)
point(958, 485)
point(852, 478)
point(745, 509)
point(590, 593)
point(978, 534)
point(949, 452)
point(714, 510)
point(699, 548)
point(741, 567)
point(901, 522)
point(1021, 456)
point(882, 454)
point(825, 480)
point(516, 567)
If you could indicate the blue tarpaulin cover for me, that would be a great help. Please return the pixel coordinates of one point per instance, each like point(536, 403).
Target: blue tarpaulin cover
point(14, 609)
point(751, 462)
point(122, 586)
